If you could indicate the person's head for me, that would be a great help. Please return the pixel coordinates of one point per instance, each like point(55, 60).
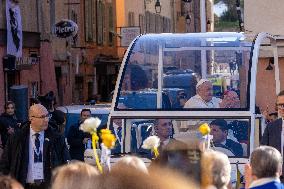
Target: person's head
point(181, 97)
point(10, 107)
point(7, 182)
point(219, 130)
point(280, 104)
point(85, 114)
point(74, 175)
point(59, 118)
point(39, 117)
point(129, 178)
point(204, 89)
point(266, 161)
point(216, 169)
point(231, 99)
point(175, 155)
point(163, 128)
point(273, 116)
point(130, 161)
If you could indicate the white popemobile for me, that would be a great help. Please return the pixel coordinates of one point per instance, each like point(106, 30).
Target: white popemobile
point(161, 72)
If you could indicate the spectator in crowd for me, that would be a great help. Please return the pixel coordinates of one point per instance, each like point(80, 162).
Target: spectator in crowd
point(7, 182)
point(231, 100)
point(204, 97)
point(57, 121)
point(77, 139)
point(175, 156)
point(32, 152)
point(76, 175)
point(273, 133)
point(219, 130)
point(264, 169)
point(130, 161)
point(129, 178)
point(8, 122)
point(216, 170)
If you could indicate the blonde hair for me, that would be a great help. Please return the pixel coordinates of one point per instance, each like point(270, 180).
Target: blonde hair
point(130, 161)
point(215, 169)
point(129, 178)
point(77, 175)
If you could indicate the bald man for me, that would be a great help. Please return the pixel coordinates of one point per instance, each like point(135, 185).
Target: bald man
point(32, 152)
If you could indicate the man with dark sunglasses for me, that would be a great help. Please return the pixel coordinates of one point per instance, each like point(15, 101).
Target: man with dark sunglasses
point(274, 132)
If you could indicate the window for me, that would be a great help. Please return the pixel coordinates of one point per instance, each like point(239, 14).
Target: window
point(234, 140)
point(147, 22)
point(142, 23)
point(131, 20)
point(100, 23)
point(111, 26)
point(89, 20)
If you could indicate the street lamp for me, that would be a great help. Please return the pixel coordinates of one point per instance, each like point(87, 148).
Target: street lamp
point(158, 7)
point(188, 19)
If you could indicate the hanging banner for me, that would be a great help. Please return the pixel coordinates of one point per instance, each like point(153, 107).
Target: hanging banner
point(14, 29)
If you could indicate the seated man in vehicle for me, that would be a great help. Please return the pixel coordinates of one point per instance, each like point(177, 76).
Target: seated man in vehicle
point(204, 97)
point(117, 131)
point(164, 130)
point(180, 100)
point(219, 130)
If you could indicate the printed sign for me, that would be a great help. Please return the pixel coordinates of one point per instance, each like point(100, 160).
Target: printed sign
point(65, 28)
point(128, 34)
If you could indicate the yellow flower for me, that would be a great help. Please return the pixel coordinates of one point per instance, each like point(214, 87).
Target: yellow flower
point(204, 129)
point(108, 138)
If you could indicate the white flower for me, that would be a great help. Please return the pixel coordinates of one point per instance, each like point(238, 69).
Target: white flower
point(151, 142)
point(90, 125)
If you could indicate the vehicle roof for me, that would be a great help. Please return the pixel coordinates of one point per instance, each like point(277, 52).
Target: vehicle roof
point(95, 109)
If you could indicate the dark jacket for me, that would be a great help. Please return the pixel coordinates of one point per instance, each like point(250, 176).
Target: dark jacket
point(7, 121)
point(75, 139)
point(235, 147)
point(272, 134)
point(15, 157)
point(270, 185)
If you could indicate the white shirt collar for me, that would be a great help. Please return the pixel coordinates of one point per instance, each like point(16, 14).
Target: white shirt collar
point(32, 132)
point(263, 181)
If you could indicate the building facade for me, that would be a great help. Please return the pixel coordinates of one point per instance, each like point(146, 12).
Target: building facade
point(35, 68)
point(266, 16)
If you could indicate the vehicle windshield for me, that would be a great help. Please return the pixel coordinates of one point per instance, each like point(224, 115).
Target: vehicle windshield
point(186, 71)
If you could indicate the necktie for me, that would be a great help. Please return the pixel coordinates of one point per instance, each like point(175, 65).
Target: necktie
point(37, 151)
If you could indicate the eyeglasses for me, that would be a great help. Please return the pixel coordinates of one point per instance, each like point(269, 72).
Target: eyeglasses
point(280, 106)
point(47, 116)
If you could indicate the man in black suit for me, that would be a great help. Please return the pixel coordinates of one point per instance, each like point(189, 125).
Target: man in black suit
point(219, 130)
point(77, 139)
point(273, 133)
point(32, 152)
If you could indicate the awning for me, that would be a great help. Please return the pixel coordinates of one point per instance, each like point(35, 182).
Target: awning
point(106, 59)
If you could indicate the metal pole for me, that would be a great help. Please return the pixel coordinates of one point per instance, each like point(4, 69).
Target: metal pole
point(160, 78)
point(203, 16)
